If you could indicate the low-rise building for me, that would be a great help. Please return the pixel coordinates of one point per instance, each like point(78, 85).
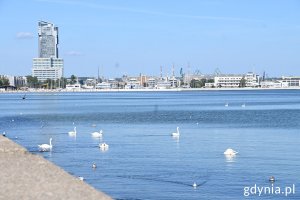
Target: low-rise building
point(292, 81)
point(237, 80)
point(103, 85)
point(228, 80)
point(16, 81)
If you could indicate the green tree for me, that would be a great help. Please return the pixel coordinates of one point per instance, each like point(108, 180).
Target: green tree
point(4, 81)
point(32, 82)
point(195, 83)
point(73, 79)
point(242, 82)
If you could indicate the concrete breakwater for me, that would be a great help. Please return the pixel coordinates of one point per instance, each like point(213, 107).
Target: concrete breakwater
point(28, 176)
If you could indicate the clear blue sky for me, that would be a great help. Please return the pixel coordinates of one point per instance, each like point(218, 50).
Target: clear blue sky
point(132, 37)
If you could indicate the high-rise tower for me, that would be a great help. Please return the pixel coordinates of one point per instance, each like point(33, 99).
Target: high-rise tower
point(48, 65)
point(48, 40)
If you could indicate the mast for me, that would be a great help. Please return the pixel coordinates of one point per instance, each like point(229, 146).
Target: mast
point(173, 73)
point(161, 73)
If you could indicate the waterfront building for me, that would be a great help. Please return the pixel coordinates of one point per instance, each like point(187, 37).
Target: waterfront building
point(74, 87)
point(174, 82)
point(133, 83)
point(48, 68)
point(252, 79)
point(103, 85)
point(291, 81)
point(274, 84)
point(89, 83)
point(228, 80)
point(164, 84)
point(114, 83)
point(16, 81)
point(151, 82)
point(235, 80)
point(48, 65)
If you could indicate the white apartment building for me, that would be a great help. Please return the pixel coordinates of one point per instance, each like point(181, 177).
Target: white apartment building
point(234, 80)
point(292, 81)
point(47, 68)
point(228, 80)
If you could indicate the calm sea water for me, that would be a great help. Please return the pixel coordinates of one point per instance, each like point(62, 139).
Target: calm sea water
point(144, 161)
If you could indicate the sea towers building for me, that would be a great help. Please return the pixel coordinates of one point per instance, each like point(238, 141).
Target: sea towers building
point(48, 65)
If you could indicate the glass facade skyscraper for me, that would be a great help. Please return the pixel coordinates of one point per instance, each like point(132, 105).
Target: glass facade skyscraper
point(48, 65)
point(48, 40)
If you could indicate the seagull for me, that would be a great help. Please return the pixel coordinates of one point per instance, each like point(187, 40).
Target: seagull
point(4, 134)
point(80, 178)
point(94, 166)
point(46, 147)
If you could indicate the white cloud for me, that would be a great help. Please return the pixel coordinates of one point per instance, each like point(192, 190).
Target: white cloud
point(73, 53)
point(24, 35)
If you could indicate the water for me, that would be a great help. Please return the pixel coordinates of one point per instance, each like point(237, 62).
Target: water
point(144, 161)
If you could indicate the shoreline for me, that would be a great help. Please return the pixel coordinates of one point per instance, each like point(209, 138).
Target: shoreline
point(28, 176)
point(142, 90)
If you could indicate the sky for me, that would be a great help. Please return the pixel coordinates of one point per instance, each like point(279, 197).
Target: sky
point(133, 36)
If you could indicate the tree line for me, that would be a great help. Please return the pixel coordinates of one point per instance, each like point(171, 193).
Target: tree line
point(4, 81)
point(33, 82)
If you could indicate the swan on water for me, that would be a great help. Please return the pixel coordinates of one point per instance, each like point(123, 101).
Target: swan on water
point(97, 134)
point(230, 152)
point(103, 146)
point(243, 105)
point(73, 133)
point(176, 134)
point(46, 147)
point(226, 104)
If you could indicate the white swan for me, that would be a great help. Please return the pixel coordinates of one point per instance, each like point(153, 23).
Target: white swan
point(46, 147)
point(226, 104)
point(176, 134)
point(230, 152)
point(73, 133)
point(103, 146)
point(243, 105)
point(97, 134)
point(4, 134)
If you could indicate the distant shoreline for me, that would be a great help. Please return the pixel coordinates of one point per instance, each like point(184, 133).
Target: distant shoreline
point(143, 90)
